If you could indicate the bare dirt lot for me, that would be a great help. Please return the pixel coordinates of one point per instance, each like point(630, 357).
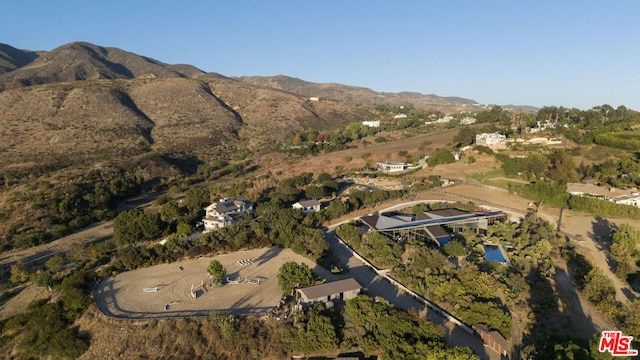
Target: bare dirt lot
point(417, 146)
point(122, 296)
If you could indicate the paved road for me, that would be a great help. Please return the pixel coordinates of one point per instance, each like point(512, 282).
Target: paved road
point(378, 286)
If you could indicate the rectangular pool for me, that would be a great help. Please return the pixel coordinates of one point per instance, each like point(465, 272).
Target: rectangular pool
point(495, 253)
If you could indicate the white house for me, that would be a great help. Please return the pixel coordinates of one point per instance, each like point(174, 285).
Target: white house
point(371, 123)
point(226, 212)
point(442, 120)
point(467, 121)
point(314, 98)
point(400, 116)
point(307, 206)
point(490, 139)
point(392, 166)
point(618, 196)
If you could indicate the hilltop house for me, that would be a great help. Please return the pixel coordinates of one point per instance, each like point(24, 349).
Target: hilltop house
point(467, 121)
point(392, 166)
point(226, 212)
point(371, 123)
point(307, 206)
point(490, 139)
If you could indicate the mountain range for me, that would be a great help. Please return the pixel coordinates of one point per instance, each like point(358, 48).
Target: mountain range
point(82, 103)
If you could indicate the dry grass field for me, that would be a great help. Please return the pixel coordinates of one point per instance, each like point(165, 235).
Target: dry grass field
point(122, 296)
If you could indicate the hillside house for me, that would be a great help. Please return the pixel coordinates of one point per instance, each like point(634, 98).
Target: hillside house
point(491, 139)
point(344, 290)
point(400, 116)
point(307, 206)
point(392, 166)
point(467, 121)
point(442, 120)
point(618, 196)
point(371, 123)
point(225, 212)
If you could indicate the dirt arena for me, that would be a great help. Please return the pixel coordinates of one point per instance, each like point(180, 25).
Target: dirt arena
point(122, 296)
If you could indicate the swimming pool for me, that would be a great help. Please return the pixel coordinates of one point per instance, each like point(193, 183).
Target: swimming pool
point(495, 253)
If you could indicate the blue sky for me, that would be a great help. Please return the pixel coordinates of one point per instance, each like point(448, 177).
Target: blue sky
point(572, 53)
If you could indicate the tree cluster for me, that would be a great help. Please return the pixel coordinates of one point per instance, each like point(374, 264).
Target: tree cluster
point(373, 327)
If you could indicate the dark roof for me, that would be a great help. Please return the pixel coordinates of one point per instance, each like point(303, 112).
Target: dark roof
point(309, 203)
point(423, 216)
point(493, 334)
point(223, 207)
point(330, 288)
point(437, 231)
point(230, 204)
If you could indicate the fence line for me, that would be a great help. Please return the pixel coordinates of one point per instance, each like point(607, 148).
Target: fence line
point(416, 296)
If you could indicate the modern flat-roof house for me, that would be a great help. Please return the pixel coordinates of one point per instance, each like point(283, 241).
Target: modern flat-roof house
point(436, 225)
point(344, 290)
point(225, 212)
point(307, 206)
point(392, 166)
point(490, 139)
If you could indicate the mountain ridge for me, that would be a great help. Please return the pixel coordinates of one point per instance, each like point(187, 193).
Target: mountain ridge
point(78, 61)
point(82, 61)
point(362, 95)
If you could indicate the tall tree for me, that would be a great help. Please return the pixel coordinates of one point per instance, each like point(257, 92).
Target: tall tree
point(293, 275)
point(563, 168)
point(216, 270)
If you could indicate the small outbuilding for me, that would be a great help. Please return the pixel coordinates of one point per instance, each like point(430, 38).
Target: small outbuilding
point(492, 339)
point(344, 290)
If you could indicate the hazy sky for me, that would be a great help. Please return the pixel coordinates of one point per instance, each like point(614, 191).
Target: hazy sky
point(574, 53)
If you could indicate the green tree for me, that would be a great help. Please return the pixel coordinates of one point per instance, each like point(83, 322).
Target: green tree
point(454, 248)
point(131, 226)
point(195, 199)
point(55, 263)
point(563, 169)
point(624, 249)
point(293, 275)
point(19, 273)
point(631, 323)
point(441, 156)
point(170, 212)
point(183, 229)
point(319, 335)
point(598, 287)
point(466, 136)
point(216, 270)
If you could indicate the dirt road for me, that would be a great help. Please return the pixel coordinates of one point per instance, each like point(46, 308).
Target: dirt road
point(38, 255)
